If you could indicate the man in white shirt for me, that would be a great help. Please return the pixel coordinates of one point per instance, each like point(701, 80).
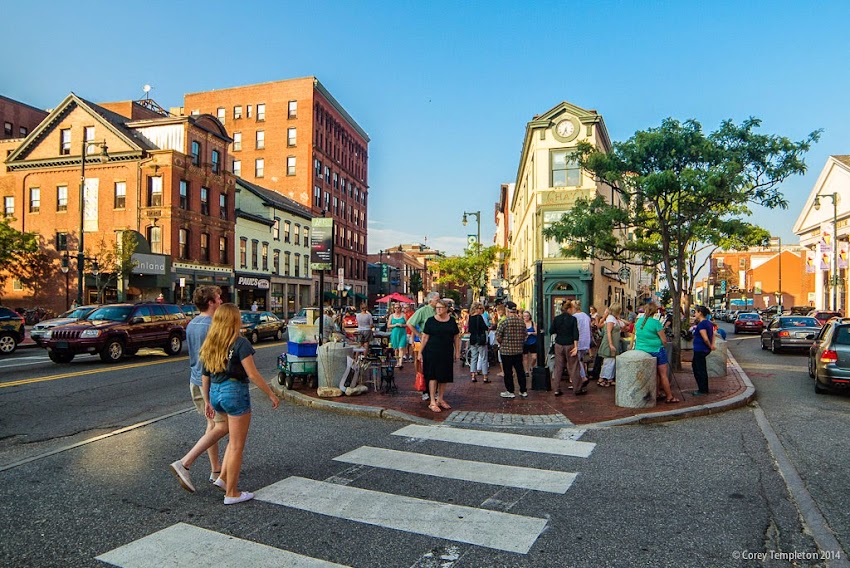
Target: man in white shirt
point(584, 335)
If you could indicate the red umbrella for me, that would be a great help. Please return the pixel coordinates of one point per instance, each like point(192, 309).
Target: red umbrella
point(395, 297)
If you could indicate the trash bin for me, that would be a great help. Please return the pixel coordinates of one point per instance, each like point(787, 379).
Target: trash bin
point(333, 360)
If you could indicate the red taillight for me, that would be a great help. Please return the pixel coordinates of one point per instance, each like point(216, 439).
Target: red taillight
point(784, 334)
point(828, 356)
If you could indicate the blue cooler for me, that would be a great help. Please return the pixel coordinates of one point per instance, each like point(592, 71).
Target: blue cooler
point(302, 349)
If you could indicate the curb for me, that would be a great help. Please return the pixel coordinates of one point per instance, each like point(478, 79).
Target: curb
point(737, 401)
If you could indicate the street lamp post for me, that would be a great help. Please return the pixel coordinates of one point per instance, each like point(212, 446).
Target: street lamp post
point(478, 220)
point(81, 254)
point(834, 281)
point(779, 291)
point(64, 267)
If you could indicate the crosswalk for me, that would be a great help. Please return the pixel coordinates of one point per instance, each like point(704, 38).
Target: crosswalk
point(183, 544)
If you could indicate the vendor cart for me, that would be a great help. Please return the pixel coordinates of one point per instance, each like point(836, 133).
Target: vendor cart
point(291, 367)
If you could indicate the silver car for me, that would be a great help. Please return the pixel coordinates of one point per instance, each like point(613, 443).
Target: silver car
point(39, 330)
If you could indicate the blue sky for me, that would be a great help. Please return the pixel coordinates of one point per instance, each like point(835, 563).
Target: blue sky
point(445, 89)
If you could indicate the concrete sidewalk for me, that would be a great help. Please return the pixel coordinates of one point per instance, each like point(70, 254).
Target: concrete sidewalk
point(479, 404)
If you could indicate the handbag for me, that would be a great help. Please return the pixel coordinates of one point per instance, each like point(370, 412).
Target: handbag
point(419, 383)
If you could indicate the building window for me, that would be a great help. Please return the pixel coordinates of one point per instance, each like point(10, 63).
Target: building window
point(62, 198)
point(237, 141)
point(35, 200)
point(336, 181)
point(290, 137)
point(306, 236)
point(265, 256)
point(293, 109)
point(219, 113)
point(183, 243)
point(7, 128)
point(259, 167)
point(276, 262)
point(287, 227)
point(205, 201)
point(9, 206)
point(237, 167)
point(222, 205)
point(286, 259)
point(297, 265)
point(261, 139)
point(120, 194)
point(222, 250)
point(290, 165)
point(250, 111)
point(196, 153)
point(155, 191)
point(243, 252)
point(296, 234)
point(327, 174)
point(22, 131)
point(205, 247)
point(65, 141)
point(276, 229)
point(318, 165)
point(317, 196)
point(237, 111)
point(306, 265)
point(327, 200)
point(216, 159)
point(184, 194)
point(565, 169)
point(255, 249)
point(155, 239)
point(261, 112)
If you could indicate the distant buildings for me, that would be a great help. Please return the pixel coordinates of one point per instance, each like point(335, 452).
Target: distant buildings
point(19, 119)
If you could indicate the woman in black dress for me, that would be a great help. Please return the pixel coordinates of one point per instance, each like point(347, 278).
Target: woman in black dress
point(440, 350)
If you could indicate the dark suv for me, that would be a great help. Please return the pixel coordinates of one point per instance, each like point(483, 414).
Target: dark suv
point(11, 330)
point(119, 329)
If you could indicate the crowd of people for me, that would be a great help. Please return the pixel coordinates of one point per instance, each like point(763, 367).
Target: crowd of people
point(583, 348)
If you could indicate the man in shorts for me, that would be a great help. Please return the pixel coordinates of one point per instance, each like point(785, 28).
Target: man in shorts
point(207, 299)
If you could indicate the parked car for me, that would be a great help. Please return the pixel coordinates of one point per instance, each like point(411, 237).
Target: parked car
point(117, 330)
point(11, 330)
point(790, 332)
point(191, 310)
point(39, 330)
point(749, 322)
point(731, 315)
point(829, 357)
point(261, 325)
point(824, 316)
point(305, 314)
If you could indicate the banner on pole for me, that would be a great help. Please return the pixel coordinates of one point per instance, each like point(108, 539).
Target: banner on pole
point(826, 238)
point(824, 261)
point(843, 254)
point(810, 262)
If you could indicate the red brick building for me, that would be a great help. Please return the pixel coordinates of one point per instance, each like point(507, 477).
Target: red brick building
point(19, 119)
point(164, 178)
point(295, 138)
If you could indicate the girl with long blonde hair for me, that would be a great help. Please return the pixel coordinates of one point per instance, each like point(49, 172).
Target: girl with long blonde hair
point(229, 368)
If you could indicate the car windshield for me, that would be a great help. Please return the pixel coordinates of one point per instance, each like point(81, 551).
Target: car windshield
point(799, 322)
point(748, 316)
point(842, 335)
point(250, 317)
point(827, 315)
point(111, 313)
point(76, 313)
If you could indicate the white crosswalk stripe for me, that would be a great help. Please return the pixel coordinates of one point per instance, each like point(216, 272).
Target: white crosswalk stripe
point(490, 473)
point(187, 545)
point(492, 529)
point(498, 440)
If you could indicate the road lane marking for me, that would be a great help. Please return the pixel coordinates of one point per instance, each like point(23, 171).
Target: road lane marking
point(491, 529)
point(186, 545)
point(165, 359)
point(464, 470)
point(498, 440)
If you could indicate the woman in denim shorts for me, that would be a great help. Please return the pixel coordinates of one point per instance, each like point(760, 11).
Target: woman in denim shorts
point(228, 370)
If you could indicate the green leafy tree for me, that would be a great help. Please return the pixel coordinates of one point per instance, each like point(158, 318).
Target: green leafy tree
point(675, 189)
point(38, 271)
point(470, 269)
point(114, 259)
point(415, 284)
point(14, 248)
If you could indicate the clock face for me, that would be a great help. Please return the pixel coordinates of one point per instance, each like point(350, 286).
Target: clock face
point(565, 128)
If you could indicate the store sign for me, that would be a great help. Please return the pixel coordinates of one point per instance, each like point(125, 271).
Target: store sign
point(251, 282)
point(148, 263)
point(321, 243)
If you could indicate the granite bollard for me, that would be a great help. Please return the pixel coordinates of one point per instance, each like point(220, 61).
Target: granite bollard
point(716, 361)
point(636, 385)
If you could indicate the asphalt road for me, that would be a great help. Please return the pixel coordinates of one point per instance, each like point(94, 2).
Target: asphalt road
point(697, 492)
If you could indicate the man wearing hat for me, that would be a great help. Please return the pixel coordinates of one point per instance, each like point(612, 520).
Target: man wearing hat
point(511, 335)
